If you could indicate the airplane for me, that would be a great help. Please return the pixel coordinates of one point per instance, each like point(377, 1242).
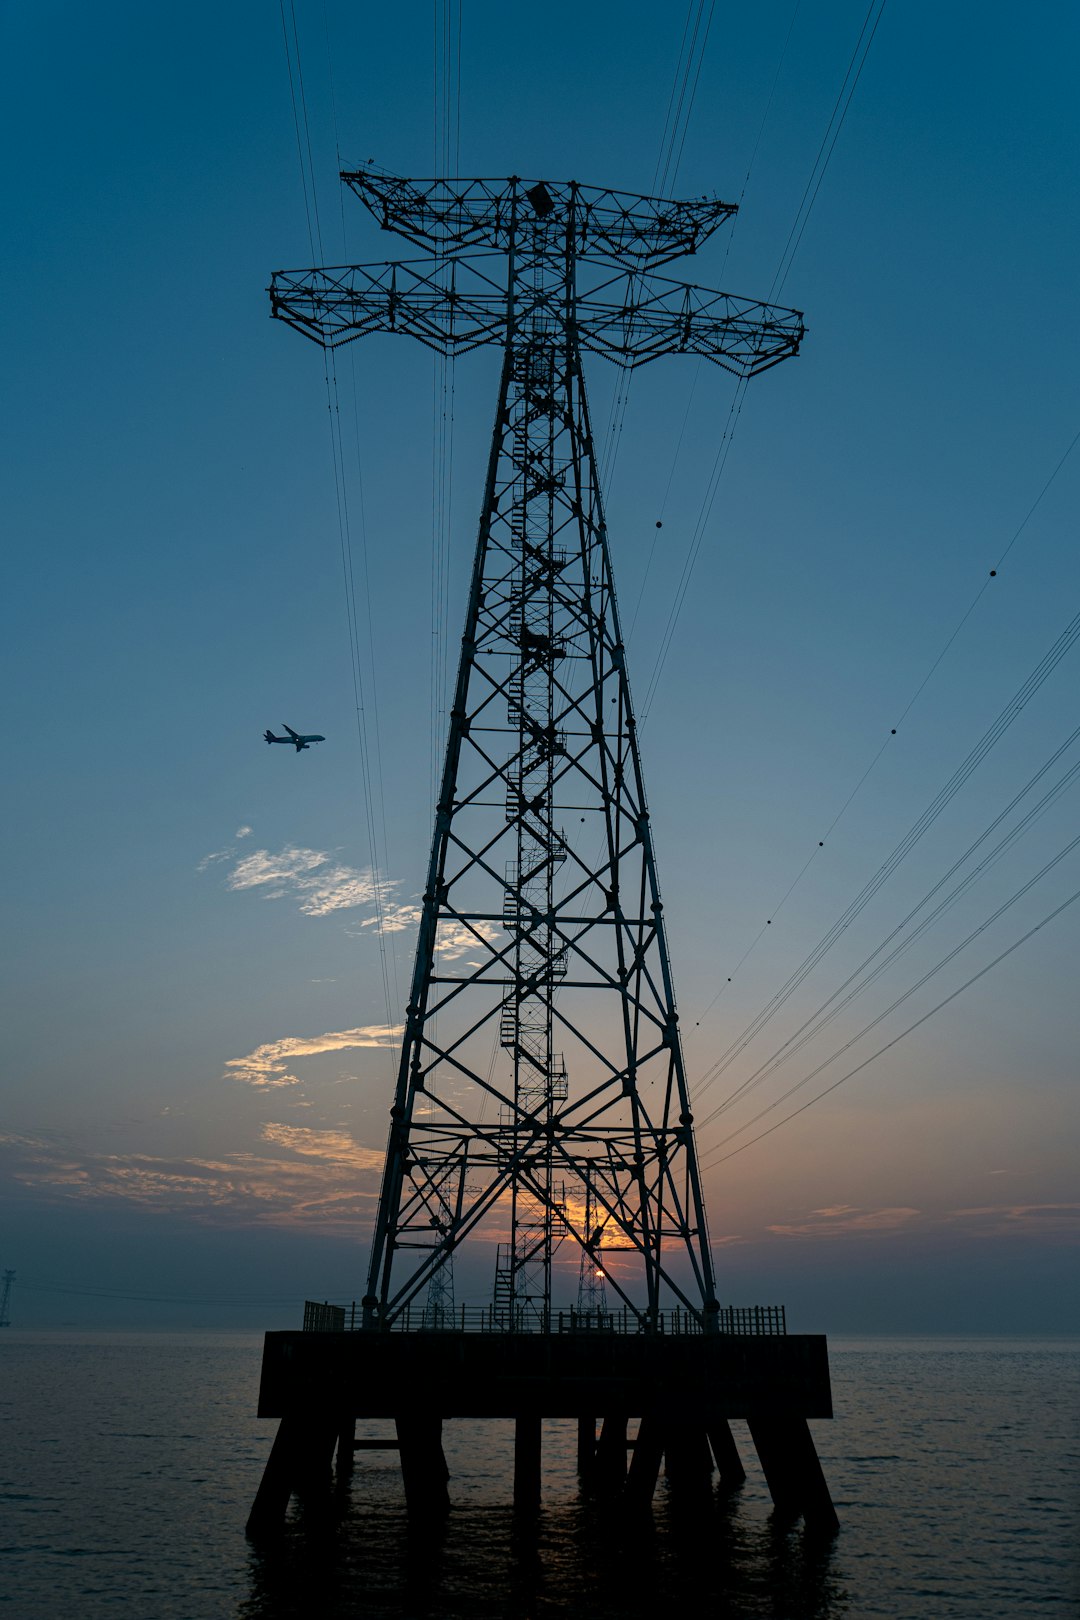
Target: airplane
point(293, 737)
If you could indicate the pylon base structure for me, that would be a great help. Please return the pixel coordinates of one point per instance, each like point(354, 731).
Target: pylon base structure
point(542, 1102)
point(658, 1398)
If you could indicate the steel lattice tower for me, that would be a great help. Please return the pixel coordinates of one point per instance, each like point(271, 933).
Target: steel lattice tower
point(541, 1086)
point(6, 1283)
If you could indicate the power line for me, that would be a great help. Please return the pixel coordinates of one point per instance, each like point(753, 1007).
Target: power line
point(761, 130)
point(683, 95)
point(696, 540)
point(871, 767)
point(812, 1026)
point(121, 1295)
point(446, 105)
point(1050, 917)
point(727, 252)
point(680, 107)
point(828, 144)
point(302, 126)
point(798, 226)
point(974, 758)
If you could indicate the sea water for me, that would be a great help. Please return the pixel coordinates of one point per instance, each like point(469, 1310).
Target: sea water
point(128, 1464)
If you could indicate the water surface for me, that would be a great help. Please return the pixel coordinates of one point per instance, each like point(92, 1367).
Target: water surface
point(128, 1464)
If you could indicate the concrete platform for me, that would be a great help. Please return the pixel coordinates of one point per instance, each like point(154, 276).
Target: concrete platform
point(683, 1389)
point(452, 1374)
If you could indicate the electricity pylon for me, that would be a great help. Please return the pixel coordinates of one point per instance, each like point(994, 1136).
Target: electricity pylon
point(592, 1295)
point(541, 1053)
point(6, 1283)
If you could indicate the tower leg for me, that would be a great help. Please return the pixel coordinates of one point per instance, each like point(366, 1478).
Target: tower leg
point(423, 1466)
point(792, 1471)
point(526, 1462)
point(726, 1452)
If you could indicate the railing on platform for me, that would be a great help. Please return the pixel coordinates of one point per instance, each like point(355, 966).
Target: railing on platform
point(743, 1320)
point(323, 1317)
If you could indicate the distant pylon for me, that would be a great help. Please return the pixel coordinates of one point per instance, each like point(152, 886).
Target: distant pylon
point(592, 1293)
point(542, 936)
point(6, 1282)
point(439, 1304)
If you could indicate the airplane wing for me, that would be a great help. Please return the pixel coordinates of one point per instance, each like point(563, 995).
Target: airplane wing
point(293, 734)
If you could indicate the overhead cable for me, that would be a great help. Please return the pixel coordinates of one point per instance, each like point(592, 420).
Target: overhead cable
point(369, 790)
point(1047, 664)
point(813, 1025)
point(904, 1033)
point(879, 752)
point(817, 175)
point(828, 144)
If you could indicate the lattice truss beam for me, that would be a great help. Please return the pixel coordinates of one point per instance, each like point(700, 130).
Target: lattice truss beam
point(541, 1095)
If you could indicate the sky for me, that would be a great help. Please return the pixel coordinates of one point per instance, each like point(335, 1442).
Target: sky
point(198, 1038)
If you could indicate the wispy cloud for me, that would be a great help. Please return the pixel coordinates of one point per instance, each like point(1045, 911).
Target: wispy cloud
point(395, 917)
point(454, 939)
point(213, 858)
point(321, 1178)
point(269, 1065)
point(243, 832)
point(845, 1220)
point(1020, 1220)
point(296, 871)
point(321, 885)
point(314, 878)
point(329, 1146)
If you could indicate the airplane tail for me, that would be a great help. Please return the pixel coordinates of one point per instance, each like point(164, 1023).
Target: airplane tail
point(269, 735)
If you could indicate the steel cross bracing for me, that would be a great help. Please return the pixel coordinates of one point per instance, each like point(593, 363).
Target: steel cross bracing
point(541, 1088)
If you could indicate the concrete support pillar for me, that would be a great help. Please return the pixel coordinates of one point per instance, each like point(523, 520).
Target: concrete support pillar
point(527, 1463)
point(586, 1444)
point(792, 1471)
point(346, 1437)
point(299, 1460)
point(423, 1466)
point(644, 1464)
point(687, 1459)
point(726, 1453)
point(610, 1470)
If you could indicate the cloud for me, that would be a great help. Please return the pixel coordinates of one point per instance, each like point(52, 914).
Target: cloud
point(1020, 1220)
point(395, 918)
point(454, 938)
point(332, 1147)
point(319, 883)
point(843, 1220)
point(315, 1178)
point(269, 1065)
point(213, 858)
point(289, 866)
point(322, 885)
point(243, 832)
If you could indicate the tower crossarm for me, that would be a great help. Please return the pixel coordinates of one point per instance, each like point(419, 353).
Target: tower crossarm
point(643, 318)
point(589, 220)
point(451, 307)
point(458, 305)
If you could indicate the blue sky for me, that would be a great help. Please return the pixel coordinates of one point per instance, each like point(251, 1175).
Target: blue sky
point(190, 913)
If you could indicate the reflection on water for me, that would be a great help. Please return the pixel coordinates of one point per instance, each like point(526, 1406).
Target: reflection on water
point(572, 1559)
